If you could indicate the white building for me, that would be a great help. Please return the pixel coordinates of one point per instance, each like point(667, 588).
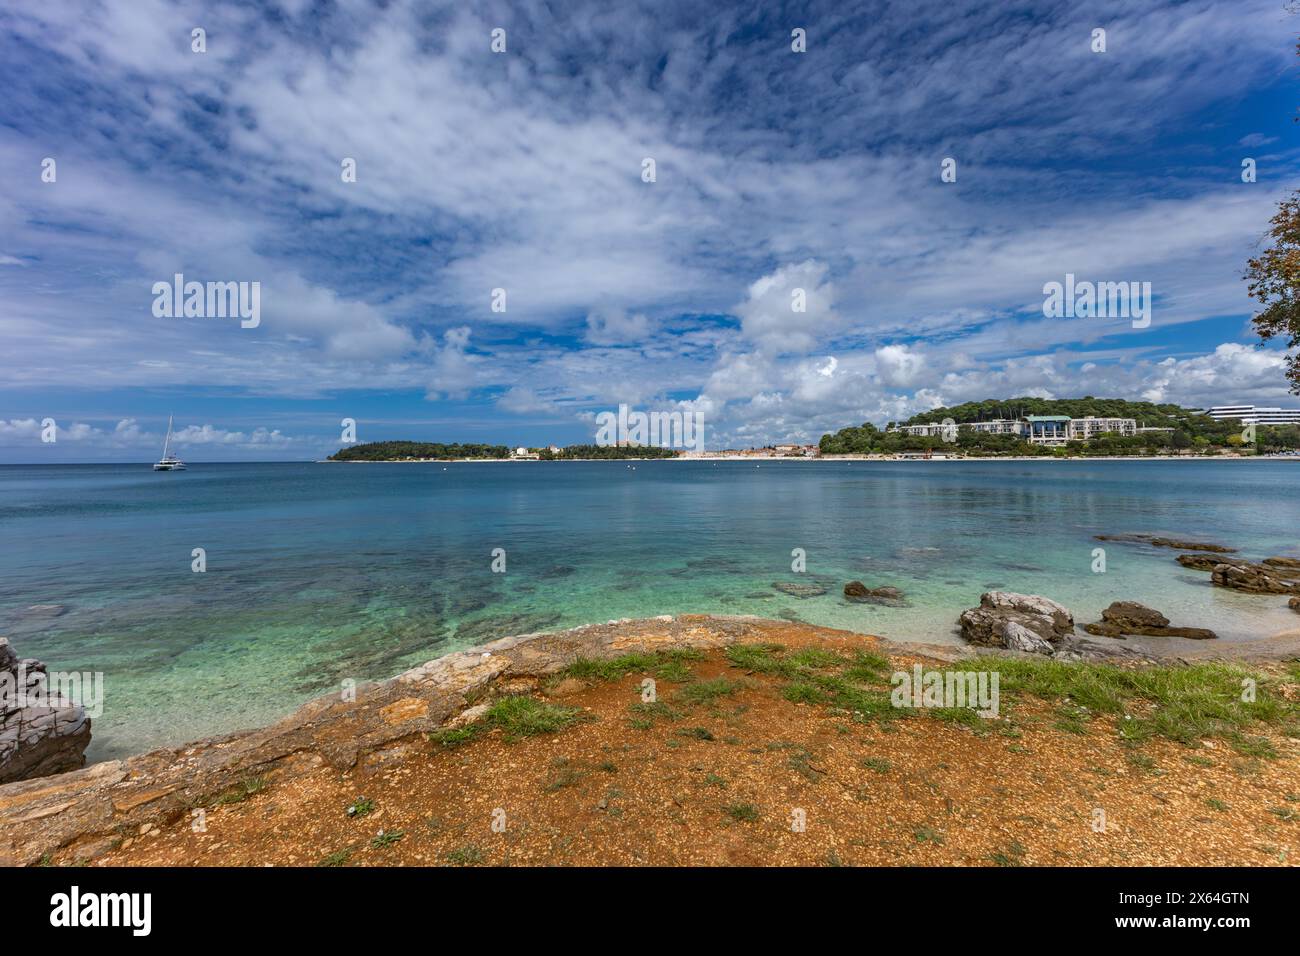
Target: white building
point(998, 426)
point(1257, 415)
point(933, 430)
point(1090, 427)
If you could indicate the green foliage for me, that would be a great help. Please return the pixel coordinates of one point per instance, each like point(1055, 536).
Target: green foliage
point(608, 452)
point(1274, 278)
point(525, 716)
point(1190, 429)
point(404, 450)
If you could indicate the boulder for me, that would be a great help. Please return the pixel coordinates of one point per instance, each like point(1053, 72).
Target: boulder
point(41, 733)
point(1027, 622)
point(1294, 604)
point(1289, 564)
point(1254, 578)
point(1129, 617)
point(857, 591)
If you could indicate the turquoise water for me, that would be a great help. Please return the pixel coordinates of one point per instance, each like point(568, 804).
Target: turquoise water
point(320, 572)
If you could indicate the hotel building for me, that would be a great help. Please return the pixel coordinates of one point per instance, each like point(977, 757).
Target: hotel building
point(1256, 415)
point(1036, 429)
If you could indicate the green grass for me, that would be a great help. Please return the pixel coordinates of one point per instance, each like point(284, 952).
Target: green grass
point(669, 665)
point(464, 856)
point(878, 764)
point(1214, 804)
point(644, 714)
point(696, 733)
point(1012, 856)
point(1176, 702)
point(707, 691)
point(565, 775)
point(741, 812)
point(524, 716)
point(337, 858)
point(927, 835)
point(447, 739)
point(386, 838)
point(241, 791)
point(759, 659)
point(361, 807)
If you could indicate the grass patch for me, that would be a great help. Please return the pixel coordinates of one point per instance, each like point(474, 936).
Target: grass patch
point(337, 858)
point(456, 737)
point(741, 812)
point(1013, 855)
point(464, 856)
point(708, 691)
point(386, 838)
point(927, 835)
point(241, 791)
point(668, 664)
point(696, 733)
point(878, 764)
point(564, 776)
point(759, 659)
point(361, 807)
point(525, 716)
point(645, 714)
point(1185, 703)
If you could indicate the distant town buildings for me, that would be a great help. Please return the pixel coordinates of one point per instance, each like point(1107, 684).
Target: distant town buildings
point(1256, 415)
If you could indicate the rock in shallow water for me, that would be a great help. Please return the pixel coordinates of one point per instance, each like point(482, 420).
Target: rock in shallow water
point(36, 741)
point(1027, 622)
point(800, 590)
point(1255, 579)
point(1129, 617)
point(857, 591)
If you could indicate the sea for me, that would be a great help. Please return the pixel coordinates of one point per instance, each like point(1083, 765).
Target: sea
point(224, 596)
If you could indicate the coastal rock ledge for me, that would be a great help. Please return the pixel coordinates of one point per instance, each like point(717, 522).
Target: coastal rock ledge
point(91, 810)
point(36, 741)
point(1018, 622)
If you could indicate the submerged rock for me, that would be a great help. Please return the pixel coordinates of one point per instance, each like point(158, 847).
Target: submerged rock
point(1255, 579)
point(1199, 562)
point(1159, 542)
point(1294, 604)
point(799, 590)
point(1129, 617)
point(1284, 563)
point(1191, 545)
point(36, 741)
point(1023, 622)
point(857, 591)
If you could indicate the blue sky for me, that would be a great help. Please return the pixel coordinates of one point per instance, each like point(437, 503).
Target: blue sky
point(521, 170)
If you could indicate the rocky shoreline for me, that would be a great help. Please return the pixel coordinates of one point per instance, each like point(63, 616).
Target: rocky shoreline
point(88, 812)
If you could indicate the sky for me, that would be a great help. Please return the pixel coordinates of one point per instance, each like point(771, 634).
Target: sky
point(525, 171)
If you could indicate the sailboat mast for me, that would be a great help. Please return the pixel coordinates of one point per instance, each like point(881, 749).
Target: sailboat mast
point(167, 441)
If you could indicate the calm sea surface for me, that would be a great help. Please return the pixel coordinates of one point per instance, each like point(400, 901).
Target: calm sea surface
point(320, 572)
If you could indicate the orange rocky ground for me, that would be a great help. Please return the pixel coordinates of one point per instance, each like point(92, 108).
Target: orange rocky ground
point(722, 783)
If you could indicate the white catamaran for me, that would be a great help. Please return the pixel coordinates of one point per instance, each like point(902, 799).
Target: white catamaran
point(169, 462)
